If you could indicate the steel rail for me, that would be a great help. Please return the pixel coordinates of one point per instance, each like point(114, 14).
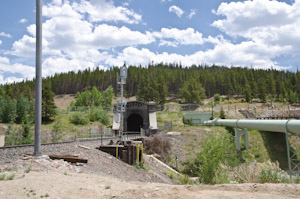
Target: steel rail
point(68, 142)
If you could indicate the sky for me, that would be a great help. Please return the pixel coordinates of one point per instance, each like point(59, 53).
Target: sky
point(81, 34)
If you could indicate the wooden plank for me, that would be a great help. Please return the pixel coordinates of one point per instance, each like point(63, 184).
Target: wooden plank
point(84, 147)
point(68, 158)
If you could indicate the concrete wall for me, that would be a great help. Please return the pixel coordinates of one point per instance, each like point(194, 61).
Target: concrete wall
point(2, 140)
point(3, 129)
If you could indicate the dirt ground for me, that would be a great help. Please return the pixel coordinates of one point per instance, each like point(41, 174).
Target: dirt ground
point(54, 184)
point(107, 177)
point(64, 101)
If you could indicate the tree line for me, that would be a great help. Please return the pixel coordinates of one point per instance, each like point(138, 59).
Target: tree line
point(156, 82)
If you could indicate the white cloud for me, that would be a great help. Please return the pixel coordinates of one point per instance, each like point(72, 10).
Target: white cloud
point(61, 65)
point(72, 43)
point(23, 20)
point(178, 11)
point(57, 2)
point(192, 13)
point(59, 9)
point(102, 10)
point(73, 38)
point(0, 42)
point(166, 1)
point(23, 71)
point(3, 34)
point(70, 32)
point(24, 47)
point(105, 36)
point(174, 37)
point(225, 53)
point(262, 21)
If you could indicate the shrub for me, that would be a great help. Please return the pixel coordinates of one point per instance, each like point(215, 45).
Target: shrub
point(13, 137)
point(270, 173)
point(79, 118)
point(222, 176)
point(56, 133)
point(10, 176)
point(159, 146)
point(216, 151)
point(217, 98)
point(246, 173)
point(27, 135)
point(171, 175)
point(98, 115)
point(184, 179)
point(2, 176)
point(266, 172)
point(140, 165)
point(28, 169)
point(222, 113)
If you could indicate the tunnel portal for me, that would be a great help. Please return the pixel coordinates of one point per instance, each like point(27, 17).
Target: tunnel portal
point(136, 116)
point(134, 123)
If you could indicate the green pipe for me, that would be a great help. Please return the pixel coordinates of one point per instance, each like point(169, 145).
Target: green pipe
point(292, 126)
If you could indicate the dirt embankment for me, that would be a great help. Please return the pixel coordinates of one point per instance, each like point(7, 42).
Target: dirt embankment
point(53, 184)
point(107, 177)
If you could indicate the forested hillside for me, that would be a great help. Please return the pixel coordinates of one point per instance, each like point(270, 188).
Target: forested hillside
point(158, 81)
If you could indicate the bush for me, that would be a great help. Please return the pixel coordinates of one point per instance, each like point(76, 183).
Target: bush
point(266, 172)
point(271, 173)
point(57, 131)
point(184, 179)
point(207, 163)
point(79, 119)
point(98, 115)
point(217, 98)
point(222, 113)
point(159, 146)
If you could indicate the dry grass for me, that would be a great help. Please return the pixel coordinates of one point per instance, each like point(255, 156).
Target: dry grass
point(252, 172)
point(63, 101)
point(158, 145)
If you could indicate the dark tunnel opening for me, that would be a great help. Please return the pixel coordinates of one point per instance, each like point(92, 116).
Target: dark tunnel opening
point(134, 123)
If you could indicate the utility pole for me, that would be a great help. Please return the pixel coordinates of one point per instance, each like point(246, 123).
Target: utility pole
point(121, 79)
point(38, 80)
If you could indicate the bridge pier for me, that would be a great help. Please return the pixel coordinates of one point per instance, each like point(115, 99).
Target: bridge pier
point(293, 161)
point(237, 134)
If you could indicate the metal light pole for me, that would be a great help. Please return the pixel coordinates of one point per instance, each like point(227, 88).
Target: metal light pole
point(38, 80)
point(122, 105)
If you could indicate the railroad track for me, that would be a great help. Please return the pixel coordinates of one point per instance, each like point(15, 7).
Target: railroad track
point(69, 142)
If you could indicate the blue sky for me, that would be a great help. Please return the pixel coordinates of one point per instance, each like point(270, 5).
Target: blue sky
point(80, 34)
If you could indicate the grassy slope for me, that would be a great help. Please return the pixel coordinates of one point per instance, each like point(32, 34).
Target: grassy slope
point(263, 145)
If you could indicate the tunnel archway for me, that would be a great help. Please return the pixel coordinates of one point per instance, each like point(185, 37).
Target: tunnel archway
point(134, 123)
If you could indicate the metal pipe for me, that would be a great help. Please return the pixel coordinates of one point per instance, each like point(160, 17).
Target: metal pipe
point(292, 126)
point(38, 80)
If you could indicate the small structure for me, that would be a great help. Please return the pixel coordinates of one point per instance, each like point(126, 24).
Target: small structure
point(130, 152)
point(196, 118)
point(137, 116)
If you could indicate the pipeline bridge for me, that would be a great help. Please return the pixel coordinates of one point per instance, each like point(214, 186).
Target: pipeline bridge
point(290, 127)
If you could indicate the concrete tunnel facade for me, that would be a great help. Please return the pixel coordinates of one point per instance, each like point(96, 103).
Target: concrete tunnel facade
point(137, 115)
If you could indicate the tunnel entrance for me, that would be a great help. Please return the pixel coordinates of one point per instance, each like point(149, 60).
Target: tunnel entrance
point(134, 123)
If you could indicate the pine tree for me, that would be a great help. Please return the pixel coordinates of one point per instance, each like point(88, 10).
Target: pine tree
point(247, 92)
point(48, 105)
point(162, 90)
point(192, 91)
point(22, 109)
point(8, 113)
point(262, 90)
